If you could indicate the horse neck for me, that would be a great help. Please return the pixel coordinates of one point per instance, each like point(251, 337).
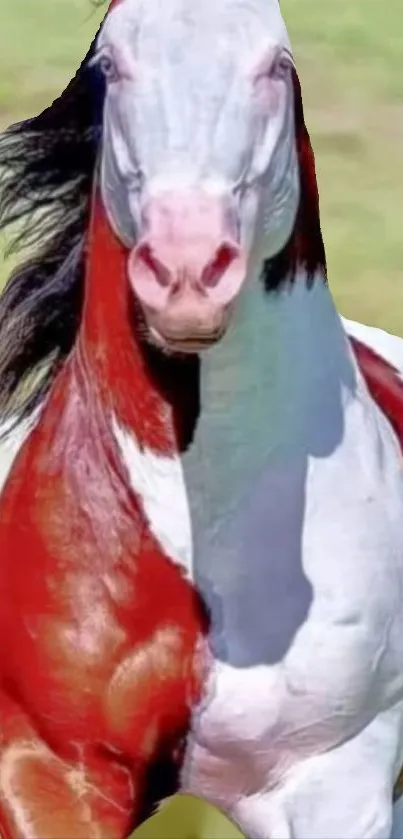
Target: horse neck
point(153, 397)
point(271, 393)
point(280, 354)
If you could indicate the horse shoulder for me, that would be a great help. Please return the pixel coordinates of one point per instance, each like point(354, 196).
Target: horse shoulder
point(387, 346)
point(101, 626)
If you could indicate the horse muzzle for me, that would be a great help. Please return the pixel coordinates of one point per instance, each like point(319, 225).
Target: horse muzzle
point(187, 270)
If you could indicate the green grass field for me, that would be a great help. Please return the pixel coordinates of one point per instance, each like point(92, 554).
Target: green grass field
point(350, 58)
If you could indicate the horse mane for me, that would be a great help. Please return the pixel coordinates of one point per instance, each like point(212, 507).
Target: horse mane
point(47, 166)
point(305, 248)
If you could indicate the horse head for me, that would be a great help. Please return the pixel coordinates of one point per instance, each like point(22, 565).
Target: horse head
point(203, 147)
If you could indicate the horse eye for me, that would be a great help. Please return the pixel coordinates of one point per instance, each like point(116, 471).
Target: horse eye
point(282, 65)
point(107, 66)
point(274, 67)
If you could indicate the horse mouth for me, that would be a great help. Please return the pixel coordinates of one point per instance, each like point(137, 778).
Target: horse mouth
point(189, 344)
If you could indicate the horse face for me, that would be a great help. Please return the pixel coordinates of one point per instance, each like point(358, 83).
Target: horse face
point(199, 164)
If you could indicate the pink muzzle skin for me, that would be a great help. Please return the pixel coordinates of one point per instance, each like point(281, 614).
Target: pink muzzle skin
point(187, 270)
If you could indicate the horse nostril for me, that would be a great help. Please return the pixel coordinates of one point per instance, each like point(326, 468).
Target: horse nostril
point(150, 277)
point(146, 254)
point(223, 257)
point(162, 276)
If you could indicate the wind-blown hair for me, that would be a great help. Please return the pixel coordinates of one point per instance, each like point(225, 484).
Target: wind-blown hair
point(47, 167)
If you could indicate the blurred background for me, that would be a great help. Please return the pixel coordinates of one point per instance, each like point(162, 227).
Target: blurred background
point(349, 54)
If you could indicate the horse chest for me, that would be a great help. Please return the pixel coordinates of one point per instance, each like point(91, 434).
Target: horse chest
point(247, 558)
point(303, 576)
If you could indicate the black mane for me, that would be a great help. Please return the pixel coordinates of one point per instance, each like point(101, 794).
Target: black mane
point(47, 167)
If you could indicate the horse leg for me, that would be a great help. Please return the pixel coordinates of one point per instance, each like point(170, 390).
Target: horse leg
point(43, 796)
point(347, 791)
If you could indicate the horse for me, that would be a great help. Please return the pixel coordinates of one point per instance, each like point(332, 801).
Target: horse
point(201, 503)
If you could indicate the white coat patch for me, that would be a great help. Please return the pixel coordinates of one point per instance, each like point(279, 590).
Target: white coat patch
point(160, 484)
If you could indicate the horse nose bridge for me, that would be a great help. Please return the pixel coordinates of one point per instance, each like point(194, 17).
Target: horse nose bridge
point(188, 225)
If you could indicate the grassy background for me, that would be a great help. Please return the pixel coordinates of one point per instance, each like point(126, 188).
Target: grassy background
point(350, 57)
